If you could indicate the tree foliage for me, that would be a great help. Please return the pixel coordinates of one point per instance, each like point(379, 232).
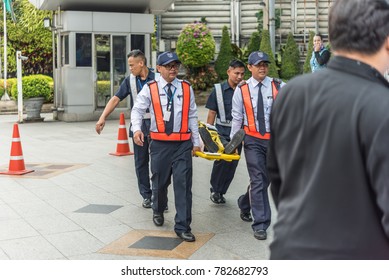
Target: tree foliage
point(29, 36)
point(225, 55)
point(254, 42)
point(307, 65)
point(290, 66)
point(266, 48)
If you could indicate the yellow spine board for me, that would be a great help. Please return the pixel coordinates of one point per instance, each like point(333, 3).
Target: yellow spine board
point(218, 156)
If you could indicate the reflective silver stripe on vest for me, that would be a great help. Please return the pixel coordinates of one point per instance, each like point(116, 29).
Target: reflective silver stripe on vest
point(134, 91)
point(219, 122)
point(220, 105)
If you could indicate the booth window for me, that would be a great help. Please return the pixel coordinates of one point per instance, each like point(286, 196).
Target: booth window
point(138, 42)
point(83, 50)
point(65, 47)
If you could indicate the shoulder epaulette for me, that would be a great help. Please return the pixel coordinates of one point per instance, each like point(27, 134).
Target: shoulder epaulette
point(241, 83)
point(277, 82)
point(185, 81)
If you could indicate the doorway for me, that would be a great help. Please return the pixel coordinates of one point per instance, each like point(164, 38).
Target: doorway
point(103, 69)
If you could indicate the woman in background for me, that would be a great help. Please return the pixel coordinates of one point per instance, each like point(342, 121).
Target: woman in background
point(320, 54)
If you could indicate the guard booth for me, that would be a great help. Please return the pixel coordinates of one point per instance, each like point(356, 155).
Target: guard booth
point(91, 45)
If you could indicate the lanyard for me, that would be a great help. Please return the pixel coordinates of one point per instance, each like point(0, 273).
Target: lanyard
point(170, 98)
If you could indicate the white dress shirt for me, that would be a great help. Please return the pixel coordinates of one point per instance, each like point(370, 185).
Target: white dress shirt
point(143, 102)
point(239, 115)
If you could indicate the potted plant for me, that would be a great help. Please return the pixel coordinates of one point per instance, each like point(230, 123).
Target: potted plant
point(36, 90)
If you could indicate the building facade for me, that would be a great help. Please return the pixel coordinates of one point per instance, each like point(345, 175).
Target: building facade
point(241, 17)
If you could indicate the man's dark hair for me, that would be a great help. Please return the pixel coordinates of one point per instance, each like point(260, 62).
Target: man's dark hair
point(319, 35)
point(235, 63)
point(359, 25)
point(137, 53)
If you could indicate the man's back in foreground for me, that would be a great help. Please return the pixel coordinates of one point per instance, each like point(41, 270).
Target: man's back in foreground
point(329, 156)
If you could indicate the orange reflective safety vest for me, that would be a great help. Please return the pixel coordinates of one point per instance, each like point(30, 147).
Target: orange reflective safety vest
point(184, 133)
point(250, 128)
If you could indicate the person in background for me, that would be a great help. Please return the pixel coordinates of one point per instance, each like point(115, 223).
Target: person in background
point(131, 85)
point(320, 54)
point(174, 140)
point(219, 105)
point(251, 107)
point(328, 154)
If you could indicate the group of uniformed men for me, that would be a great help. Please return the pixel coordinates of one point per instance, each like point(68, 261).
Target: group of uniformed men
point(164, 126)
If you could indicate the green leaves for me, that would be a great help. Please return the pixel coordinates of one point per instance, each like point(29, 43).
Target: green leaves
point(290, 66)
point(30, 37)
point(225, 55)
point(195, 45)
point(266, 48)
point(35, 86)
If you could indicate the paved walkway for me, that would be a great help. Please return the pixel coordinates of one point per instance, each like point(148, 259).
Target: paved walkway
point(81, 203)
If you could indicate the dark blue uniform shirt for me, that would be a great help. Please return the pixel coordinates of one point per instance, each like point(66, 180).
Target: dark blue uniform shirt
point(228, 92)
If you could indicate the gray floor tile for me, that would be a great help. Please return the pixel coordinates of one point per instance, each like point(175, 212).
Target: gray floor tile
point(34, 208)
point(13, 229)
point(51, 192)
point(157, 243)
point(30, 248)
point(19, 195)
point(75, 243)
point(7, 213)
point(89, 221)
point(109, 234)
point(98, 208)
point(67, 205)
point(50, 224)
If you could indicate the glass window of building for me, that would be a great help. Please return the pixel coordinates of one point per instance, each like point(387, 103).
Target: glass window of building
point(83, 50)
point(138, 42)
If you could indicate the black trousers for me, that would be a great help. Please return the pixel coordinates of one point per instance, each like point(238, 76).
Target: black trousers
point(223, 173)
point(142, 158)
point(256, 198)
point(173, 158)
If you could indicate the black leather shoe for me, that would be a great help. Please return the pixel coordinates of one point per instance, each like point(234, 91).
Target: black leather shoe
point(215, 197)
point(235, 142)
point(222, 199)
point(260, 234)
point(146, 203)
point(158, 219)
point(207, 139)
point(246, 216)
point(186, 236)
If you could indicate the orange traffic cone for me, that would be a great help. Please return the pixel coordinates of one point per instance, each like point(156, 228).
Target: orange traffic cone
point(122, 148)
point(16, 162)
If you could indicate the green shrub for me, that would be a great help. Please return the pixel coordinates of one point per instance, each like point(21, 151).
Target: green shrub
point(307, 65)
point(203, 78)
point(225, 55)
point(195, 45)
point(35, 86)
point(254, 42)
point(240, 53)
point(266, 48)
point(290, 66)
point(9, 84)
point(103, 87)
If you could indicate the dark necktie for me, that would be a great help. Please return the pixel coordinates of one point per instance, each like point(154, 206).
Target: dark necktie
point(169, 124)
point(260, 112)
